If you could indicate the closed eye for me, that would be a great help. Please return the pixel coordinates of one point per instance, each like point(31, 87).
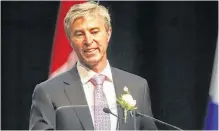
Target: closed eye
point(95, 32)
point(78, 34)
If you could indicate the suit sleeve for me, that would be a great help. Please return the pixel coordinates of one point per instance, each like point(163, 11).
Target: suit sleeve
point(147, 123)
point(42, 113)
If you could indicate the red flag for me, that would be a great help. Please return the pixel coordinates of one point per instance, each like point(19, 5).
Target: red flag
point(63, 56)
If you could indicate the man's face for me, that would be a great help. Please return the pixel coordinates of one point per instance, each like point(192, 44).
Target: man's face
point(89, 39)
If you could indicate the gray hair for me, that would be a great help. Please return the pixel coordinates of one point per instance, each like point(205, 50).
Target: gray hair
point(83, 10)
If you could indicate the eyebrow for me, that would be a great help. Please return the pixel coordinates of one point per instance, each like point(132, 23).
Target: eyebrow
point(93, 28)
point(77, 30)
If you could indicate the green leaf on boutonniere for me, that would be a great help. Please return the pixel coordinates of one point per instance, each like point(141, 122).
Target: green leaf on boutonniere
point(126, 102)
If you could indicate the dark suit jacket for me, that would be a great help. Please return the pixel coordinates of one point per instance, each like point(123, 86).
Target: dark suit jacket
point(66, 90)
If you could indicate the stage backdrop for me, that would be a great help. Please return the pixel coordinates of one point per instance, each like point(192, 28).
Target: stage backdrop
point(171, 44)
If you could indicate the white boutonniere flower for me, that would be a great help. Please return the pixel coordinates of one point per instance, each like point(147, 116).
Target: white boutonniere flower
point(127, 102)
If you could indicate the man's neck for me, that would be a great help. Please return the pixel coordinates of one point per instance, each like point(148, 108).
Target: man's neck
point(99, 68)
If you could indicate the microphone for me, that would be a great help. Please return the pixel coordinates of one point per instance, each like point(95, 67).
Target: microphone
point(108, 111)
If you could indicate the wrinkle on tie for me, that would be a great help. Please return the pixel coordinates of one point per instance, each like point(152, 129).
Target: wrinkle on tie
point(101, 119)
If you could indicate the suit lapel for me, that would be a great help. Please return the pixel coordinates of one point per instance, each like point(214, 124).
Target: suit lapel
point(119, 84)
point(75, 93)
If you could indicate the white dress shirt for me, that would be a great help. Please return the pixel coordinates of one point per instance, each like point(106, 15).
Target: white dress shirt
point(108, 89)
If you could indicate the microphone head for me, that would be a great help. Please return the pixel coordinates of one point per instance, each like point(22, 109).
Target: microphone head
point(106, 110)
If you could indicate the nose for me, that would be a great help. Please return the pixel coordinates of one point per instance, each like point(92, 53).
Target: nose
point(88, 38)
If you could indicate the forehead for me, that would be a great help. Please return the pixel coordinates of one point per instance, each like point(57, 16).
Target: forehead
point(88, 22)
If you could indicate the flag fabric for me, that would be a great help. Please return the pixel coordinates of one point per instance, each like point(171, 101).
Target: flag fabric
point(211, 121)
point(63, 56)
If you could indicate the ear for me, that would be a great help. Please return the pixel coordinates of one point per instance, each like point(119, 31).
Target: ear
point(109, 34)
point(71, 44)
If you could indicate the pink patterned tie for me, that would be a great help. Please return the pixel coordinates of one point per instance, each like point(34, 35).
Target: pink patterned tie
point(101, 119)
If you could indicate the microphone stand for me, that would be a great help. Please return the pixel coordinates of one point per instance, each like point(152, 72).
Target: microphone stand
point(140, 114)
point(134, 113)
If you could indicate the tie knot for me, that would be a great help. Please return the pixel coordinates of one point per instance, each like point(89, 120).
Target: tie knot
point(98, 80)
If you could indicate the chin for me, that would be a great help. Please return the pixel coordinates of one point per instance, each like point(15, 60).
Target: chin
point(91, 62)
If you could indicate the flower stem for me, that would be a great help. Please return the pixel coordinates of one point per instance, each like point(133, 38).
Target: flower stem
point(125, 115)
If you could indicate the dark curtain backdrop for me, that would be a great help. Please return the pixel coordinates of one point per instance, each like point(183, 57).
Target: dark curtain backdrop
point(171, 44)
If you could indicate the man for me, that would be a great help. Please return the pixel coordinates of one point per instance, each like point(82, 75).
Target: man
point(92, 83)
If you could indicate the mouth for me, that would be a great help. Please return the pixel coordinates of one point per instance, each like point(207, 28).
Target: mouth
point(90, 51)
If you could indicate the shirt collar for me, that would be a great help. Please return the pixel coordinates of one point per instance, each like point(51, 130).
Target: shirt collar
point(86, 74)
